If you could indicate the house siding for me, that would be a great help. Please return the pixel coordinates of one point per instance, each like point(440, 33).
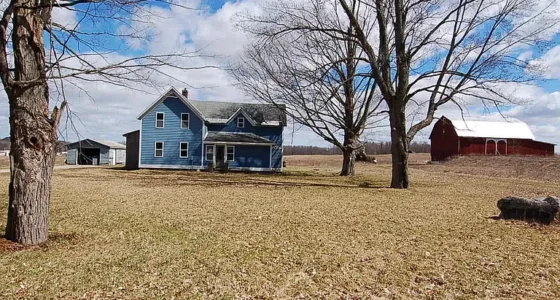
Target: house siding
point(172, 135)
point(272, 133)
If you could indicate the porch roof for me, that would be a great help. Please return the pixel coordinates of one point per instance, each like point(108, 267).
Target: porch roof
point(236, 138)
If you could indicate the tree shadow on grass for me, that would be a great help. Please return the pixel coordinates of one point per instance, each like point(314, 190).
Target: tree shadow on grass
point(145, 178)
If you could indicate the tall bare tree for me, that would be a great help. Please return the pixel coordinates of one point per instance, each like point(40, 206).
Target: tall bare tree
point(31, 66)
point(428, 53)
point(318, 79)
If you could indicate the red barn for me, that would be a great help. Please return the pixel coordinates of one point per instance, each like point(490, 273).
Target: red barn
point(484, 137)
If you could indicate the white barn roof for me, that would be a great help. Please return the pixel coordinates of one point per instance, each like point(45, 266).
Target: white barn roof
point(508, 128)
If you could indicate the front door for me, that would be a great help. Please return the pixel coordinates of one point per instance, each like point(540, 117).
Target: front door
point(220, 154)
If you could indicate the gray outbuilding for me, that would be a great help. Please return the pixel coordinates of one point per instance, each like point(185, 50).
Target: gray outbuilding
point(132, 149)
point(95, 152)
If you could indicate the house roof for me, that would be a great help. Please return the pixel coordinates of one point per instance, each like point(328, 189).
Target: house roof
point(236, 138)
point(222, 112)
point(485, 127)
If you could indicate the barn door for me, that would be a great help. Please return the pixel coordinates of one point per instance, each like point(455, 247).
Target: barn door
point(490, 147)
point(502, 148)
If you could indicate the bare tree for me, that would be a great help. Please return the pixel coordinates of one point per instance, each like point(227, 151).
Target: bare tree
point(318, 79)
point(427, 53)
point(30, 67)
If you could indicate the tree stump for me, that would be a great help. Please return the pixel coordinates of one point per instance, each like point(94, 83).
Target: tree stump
point(542, 210)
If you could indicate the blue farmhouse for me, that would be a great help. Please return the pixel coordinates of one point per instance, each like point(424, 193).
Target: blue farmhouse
point(180, 133)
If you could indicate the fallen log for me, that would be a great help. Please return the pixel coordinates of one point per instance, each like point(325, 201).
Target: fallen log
point(543, 210)
point(362, 156)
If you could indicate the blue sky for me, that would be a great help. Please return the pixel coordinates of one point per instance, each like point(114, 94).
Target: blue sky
point(103, 111)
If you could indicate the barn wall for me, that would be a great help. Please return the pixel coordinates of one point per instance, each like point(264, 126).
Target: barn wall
point(529, 147)
point(444, 141)
point(472, 146)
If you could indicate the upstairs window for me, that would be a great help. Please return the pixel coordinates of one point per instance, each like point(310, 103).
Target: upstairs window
point(210, 152)
point(240, 122)
point(230, 153)
point(160, 117)
point(184, 150)
point(159, 149)
point(185, 120)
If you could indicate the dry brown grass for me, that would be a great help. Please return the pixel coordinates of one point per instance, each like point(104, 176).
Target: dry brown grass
point(308, 234)
point(523, 167)
point(5, 161)
point(336, 160)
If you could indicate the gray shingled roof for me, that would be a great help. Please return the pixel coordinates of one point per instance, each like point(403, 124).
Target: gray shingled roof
point(220, 112)
point(235, 137)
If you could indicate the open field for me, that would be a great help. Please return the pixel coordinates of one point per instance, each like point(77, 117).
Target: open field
point(305, 234)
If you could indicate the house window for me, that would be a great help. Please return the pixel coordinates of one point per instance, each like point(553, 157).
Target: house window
point(230, 153)
point(240, 122)
point(184, 150)
point(185, 120)
point(159, 149)
point(160, 119)
point(210, 152)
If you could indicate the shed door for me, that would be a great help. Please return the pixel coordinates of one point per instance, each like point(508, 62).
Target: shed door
point(71, 156)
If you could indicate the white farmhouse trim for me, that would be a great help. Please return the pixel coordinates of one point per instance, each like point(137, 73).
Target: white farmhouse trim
point(169, 167)
point(180, 144)
point(179, 167)
point(238, 143)
point(270, 160)
point(255, 169)
point(169, 92)
point(226, 152)
point(140, 143)
point(242, 112)
point(188, 121)
point(157, 113)
point(162, 149)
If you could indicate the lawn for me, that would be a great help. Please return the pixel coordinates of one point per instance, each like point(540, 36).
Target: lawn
point(304, 234)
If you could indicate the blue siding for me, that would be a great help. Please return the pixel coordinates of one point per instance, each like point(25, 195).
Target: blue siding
point(172, 135)
point(272, 133)
point(251, 157)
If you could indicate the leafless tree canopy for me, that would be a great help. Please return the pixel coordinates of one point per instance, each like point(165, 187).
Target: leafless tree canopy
point(40, 56)
point(322, 81)
point(423, 54)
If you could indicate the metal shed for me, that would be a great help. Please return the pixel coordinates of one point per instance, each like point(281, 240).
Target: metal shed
point(484, 137)
point(132, 149)
point(95, 152)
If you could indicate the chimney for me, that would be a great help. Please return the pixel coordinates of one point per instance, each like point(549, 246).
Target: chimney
point(186, 93)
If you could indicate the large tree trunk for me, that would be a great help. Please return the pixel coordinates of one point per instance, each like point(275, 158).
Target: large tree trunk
point(349, 158)
point(32, 133)
point(399, 150)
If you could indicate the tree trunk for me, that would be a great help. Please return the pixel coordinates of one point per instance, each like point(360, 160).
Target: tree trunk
point(349, 157)
point(32, 133)
point(399, 150)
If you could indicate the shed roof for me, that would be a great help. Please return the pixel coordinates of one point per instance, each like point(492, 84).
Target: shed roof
point(110, 144)
point(236, 138)
point(491, 127)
